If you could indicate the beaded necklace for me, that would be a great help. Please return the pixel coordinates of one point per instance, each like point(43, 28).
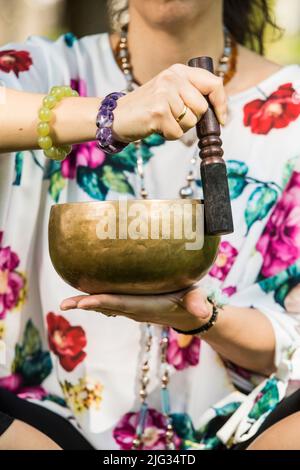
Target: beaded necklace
point(226, 69)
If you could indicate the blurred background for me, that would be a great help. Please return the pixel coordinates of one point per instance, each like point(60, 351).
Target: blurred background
point(21, 18)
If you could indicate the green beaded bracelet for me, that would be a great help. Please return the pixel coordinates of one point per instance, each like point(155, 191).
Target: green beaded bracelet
point(57, 93)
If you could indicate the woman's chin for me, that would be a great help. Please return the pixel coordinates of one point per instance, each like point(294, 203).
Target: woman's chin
point(168, 14)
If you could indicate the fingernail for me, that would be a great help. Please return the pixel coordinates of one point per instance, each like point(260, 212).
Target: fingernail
point(68, 305)
point(223, 119)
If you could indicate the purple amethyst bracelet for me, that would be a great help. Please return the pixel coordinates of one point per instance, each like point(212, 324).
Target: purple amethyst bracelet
point(105, 119)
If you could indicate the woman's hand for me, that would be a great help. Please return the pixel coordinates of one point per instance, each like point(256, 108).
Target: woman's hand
point(185, 310)
point(156, 106)
point(244, 336)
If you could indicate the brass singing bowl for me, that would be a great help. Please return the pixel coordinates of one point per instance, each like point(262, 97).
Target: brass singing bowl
point(145, 262)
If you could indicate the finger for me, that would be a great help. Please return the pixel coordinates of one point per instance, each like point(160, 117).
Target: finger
point(215, 92)
point(209, 85)
point(178, 106)
point(188, 121)
point(183, 92)
point(194, 100)
point(218, 100)
point(141, 308)
point(121, 303)
point(71, 302)
point(195, 303)
point(169, 128)
point(120, 300)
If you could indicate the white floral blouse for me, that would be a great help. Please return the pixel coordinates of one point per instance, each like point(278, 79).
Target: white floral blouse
point(86, 366)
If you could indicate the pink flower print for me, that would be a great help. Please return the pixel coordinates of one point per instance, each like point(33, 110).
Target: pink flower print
point(32, 393)
point(279, 244)
point(229, 291)
point(11, 282)
point(225, 259)
point(183, 350)
point(87, 154)
point(14, 383)
point(244, 373)
point(154, 434)
point(79, 85)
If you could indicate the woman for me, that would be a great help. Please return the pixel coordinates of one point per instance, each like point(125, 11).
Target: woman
point(223, 384)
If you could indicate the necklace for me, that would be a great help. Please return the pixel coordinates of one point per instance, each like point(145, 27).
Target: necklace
point(226, 69)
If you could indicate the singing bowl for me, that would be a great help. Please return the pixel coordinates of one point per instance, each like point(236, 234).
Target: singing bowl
point(125, 265)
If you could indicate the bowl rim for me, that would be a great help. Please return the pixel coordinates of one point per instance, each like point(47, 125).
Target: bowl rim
point(114, 201)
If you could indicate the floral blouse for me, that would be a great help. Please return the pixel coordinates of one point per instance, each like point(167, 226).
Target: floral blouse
point(86, 366)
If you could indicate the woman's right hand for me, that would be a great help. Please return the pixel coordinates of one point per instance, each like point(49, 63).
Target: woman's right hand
point(155, 106)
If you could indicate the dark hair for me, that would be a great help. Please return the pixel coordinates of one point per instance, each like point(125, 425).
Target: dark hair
point(247, 21)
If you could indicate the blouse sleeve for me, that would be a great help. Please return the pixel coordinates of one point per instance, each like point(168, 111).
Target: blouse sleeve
point(275, 261)
point(285, 324)
point(33, 66)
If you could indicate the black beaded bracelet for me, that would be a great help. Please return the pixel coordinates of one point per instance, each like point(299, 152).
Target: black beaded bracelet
point(207, 326)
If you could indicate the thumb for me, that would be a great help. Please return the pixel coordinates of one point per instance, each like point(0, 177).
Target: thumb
point(195, 302)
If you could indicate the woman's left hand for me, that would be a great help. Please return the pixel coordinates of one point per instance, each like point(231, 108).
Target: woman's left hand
point(184, 310)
